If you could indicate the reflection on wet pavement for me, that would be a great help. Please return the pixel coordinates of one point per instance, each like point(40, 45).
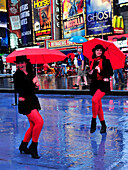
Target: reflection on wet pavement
point(50, 82)
point(65, 141)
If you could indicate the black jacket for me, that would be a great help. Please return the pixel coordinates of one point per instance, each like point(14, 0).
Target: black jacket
point(106, 72)
point(23, 84)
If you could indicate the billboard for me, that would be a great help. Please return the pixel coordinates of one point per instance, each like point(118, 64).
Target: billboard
point(119, 40)
point(26, 22)
point(98, 17)
point(72, 17)
point(14, 23)
point(56, 20)
point(3, 31)
point(42, 20)
point(3, 6)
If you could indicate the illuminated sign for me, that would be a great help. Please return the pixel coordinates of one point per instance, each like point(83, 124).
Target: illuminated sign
point(42, 20)
point(122, 1)
point(40, 3)
point(72, 17)
point(59, 43)
point(118, 25)
point(26, 22)
point(98, 17)
point(14, 23)
point(119, 40)
point(56, 20)
point(3, 6)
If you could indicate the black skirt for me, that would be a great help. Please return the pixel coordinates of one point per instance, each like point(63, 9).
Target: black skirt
point(30, 103)
point(99, 84)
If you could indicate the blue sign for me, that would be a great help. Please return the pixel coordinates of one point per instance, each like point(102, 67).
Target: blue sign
point(26, 22)
point(98, 17)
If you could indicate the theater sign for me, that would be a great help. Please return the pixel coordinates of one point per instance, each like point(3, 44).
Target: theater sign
point(72, 18)
point(99, 16)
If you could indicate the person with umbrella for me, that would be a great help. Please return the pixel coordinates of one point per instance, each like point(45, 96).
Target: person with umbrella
point(100, 72)
point(25, 84)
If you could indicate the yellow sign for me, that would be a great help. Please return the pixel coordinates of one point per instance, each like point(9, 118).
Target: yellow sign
point(118, 25)
point(3, 6)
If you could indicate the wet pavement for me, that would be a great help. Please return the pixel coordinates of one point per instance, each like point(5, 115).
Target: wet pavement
point(65, 141)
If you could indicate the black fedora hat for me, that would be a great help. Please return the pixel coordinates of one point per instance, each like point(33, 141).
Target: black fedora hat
point(21, 59)
point(98, 46)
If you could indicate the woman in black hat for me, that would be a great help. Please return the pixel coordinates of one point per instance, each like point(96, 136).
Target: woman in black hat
point(100, 72)
point(25, 84)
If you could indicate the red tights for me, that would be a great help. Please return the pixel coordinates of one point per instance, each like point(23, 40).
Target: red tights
point(97, 105)
point(36, 124)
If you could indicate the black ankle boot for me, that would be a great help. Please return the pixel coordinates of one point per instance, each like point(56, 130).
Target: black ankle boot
point(23, 148)
point(103, 127)
point(33, 150)
point(93, 125)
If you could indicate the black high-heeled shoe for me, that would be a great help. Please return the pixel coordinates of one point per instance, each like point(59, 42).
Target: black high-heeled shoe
point(103, 127)
point(33, 150)
point(23, 148)
point(93, 125)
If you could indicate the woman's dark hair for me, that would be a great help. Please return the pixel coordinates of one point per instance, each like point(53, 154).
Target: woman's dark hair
point(29, 69)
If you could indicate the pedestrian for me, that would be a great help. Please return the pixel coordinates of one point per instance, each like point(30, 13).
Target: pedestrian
point(1, 65)
point(46, 68)
point(121, 76)
point(81, 69)
point(100, 72)
point(25, 84)
point(70, 61)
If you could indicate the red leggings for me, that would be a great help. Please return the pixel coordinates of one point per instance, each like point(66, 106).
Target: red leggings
point(97, 105)
point(36, 124)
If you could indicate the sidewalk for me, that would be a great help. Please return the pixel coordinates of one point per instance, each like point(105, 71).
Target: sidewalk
point(65, 141)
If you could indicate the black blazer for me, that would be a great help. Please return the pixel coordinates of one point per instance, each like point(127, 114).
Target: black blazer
point(106, 72)
point(23, 84)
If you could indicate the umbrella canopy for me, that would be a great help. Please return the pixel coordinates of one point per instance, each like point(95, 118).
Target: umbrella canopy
point(37, 55)
point(116, 57)
point(78, 39)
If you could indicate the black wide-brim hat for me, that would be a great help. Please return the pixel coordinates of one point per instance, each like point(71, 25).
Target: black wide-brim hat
point(98, 46)
point(21, 59)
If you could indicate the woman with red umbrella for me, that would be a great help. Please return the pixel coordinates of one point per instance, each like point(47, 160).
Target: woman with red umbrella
point(25, 84)
point(100, 72)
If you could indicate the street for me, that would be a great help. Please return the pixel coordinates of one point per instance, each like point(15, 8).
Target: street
point(65, 141)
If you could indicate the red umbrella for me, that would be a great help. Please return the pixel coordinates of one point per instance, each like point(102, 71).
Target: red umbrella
point(116, 57)
point(37, 55)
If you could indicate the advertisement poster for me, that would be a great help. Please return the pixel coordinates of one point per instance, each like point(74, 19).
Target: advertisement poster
point(119, 40)
point(73, 18)
point(98, 17)
point(14, 23)
point(3, 31)
point(26, 22)
point(42, 20)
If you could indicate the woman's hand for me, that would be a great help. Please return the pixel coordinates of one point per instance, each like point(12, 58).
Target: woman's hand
point(97, 68)
point(90, 72)
point(21, 99)
point(36, 82)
